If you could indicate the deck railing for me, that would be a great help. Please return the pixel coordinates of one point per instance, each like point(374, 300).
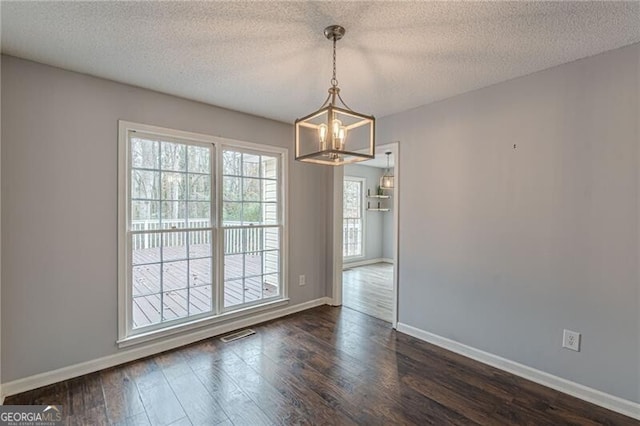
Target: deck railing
point(236, 240)
point(352, 237)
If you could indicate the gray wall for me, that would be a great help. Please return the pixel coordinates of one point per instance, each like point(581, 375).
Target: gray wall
point(59, 207)
point(502, 248)
point(373, 220)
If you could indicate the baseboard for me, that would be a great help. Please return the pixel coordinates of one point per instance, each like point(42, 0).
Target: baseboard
point(366, 262)
point(69, 372)
point(605, 400)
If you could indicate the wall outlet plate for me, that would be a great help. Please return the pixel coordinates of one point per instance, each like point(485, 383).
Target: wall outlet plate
point(302, 280)
point(571, 340)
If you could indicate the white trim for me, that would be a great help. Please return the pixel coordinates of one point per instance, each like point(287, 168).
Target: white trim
point(346, 265)
point(395, 151)
point(386, 260)
point(594, 396)
point(69, 372)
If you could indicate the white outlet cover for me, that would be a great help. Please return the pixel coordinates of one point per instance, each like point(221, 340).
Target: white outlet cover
point(571, 340)
point(303, 280)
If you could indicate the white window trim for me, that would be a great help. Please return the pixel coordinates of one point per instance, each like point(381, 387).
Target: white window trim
point(125, 337)
point(363, 215)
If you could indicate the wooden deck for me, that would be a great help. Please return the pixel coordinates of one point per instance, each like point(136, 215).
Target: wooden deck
point(186, 288)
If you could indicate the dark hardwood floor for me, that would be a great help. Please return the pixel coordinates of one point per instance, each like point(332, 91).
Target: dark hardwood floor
point(325, 366)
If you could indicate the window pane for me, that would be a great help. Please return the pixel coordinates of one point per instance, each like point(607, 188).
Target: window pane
point(146, 310)
point(199, 244)
point(146, 279)
point(251, 213)
point(233, 241)
point(269, 167)
point(270, 213)
point(199, 272)
point(199, 187)
point(231, 213)
point(252, 289)
point(199, 159)
point(199, 214)
point(252, 264)
point(145, 248)
point(174, 186)
point(233, 266)
point(251, 190)
point(174, 275)
point(251, 165)
point(271, 285)
point(174, 304)
point(174, 214)
point(145, 185)
point(232, 189)
point(352, 199)
point(173, 156)
point(271, 238)
point(200, 300)
point(269, 190)
point(233, 292)
point(174, 246)
point(144, 153)
point(232, 163)
point(270, 262)
point(143, 213)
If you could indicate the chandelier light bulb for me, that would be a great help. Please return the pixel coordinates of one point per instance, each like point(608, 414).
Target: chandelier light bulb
point(322, 135)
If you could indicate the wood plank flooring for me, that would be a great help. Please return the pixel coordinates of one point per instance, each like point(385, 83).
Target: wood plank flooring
point(324, 366)
point(369, 289)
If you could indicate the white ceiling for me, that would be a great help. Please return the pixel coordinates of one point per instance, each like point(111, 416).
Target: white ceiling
point(380, 160)
point(271, 59)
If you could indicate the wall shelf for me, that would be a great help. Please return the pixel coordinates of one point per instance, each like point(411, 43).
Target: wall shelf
point(382, 204)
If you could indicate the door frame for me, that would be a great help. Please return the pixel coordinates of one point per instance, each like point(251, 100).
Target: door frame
point(337, 263)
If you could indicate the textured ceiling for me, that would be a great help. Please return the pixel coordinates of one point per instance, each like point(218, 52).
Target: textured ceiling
point(271, 59)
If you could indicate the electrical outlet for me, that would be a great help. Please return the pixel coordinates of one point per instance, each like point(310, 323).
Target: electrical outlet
point(302, 280)
point(571, 340)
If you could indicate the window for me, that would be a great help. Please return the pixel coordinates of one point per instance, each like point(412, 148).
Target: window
point(189, 252)
point(252, 227)
point(353, 223)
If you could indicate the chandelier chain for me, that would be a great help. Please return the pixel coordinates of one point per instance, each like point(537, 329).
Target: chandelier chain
point(334, 80)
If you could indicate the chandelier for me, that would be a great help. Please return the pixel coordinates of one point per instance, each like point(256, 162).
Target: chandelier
point(386, 180)
point(335, 134)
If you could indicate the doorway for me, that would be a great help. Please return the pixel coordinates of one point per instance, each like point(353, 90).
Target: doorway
point(366, 235)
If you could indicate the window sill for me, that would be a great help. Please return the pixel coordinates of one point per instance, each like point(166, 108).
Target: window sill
point(185, 328)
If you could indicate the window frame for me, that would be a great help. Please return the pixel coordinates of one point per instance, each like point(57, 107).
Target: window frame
point(128, 336)
point(363, 200)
